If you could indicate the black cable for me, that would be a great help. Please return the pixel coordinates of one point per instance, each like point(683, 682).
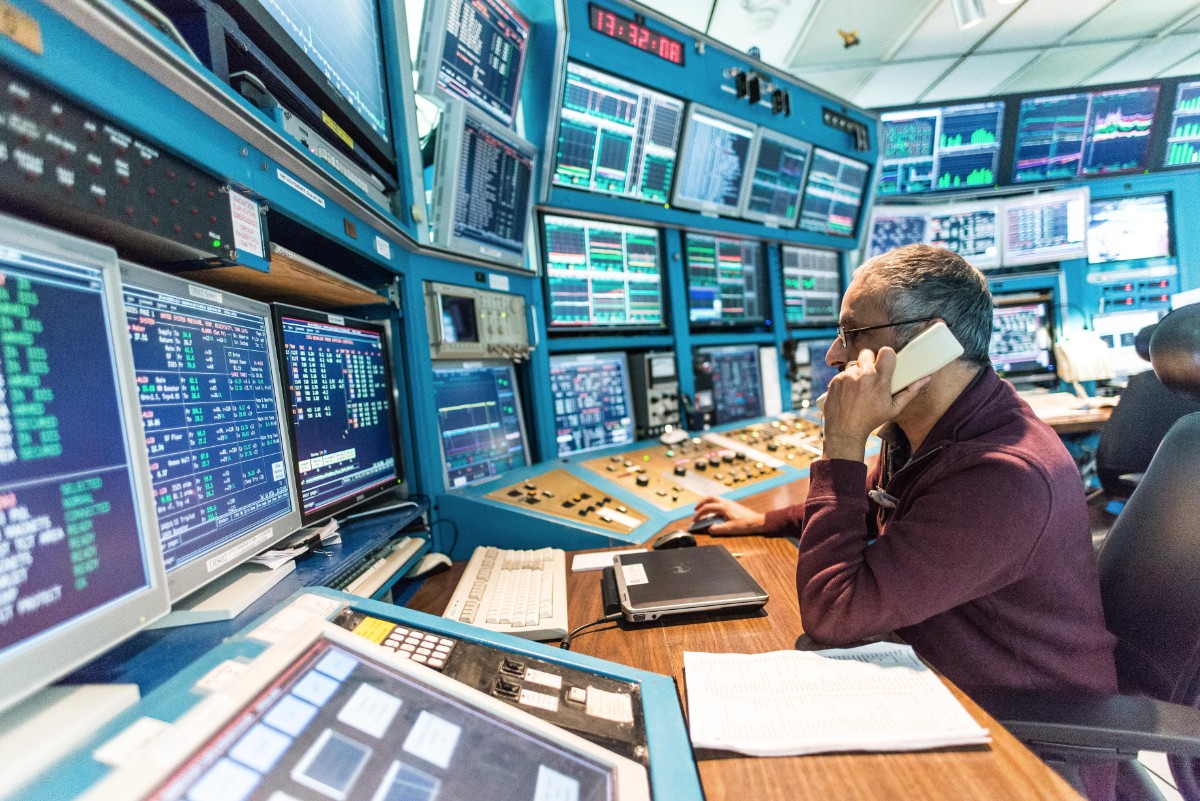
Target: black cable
point(565, 644)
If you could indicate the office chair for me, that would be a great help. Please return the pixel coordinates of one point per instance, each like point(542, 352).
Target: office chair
point(1138, 424)
point(1150, 586)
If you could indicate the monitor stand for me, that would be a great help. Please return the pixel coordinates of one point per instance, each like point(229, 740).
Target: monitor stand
point(225, 598)
point(54, 722)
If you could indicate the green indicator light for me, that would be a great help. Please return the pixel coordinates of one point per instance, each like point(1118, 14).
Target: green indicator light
point(216, 243)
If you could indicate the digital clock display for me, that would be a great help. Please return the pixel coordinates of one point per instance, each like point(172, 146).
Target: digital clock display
point(635, 33)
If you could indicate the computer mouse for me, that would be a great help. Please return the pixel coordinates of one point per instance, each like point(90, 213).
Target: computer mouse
point(428, 565)
point(706, 522)
point(674, 539)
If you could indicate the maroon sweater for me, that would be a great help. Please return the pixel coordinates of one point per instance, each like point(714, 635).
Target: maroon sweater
point(984, 566)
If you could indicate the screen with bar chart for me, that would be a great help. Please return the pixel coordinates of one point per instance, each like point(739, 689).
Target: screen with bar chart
point(940, 149)
point(1183, 143)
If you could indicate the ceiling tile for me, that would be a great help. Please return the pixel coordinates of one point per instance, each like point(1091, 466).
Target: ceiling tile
point(1064, 67)
point(979, 75)
point(900, 84)
point(1145, 60)
point(692, 13)
point(939, 34)
point(1132, 19)
point(1189, 66)
point(878, 26)
point(771, 25)
point(1037, 23)
point(1191, 27)
point(839, 83)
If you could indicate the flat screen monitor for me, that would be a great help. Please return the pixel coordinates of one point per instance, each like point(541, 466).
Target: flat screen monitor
point(1119, 330)
point(833, 196)
point(601, 274)
point(896, 226)
point(940, 149)
point(969, 229)
point(1022, 345)
point(1127, 228)
point(1060, 137)
point(334, 53)
point(616, 137)
point(593, 405)
point(820, 372)
point(776, 180)
point(341, 409)
point(212, 412)
point(729, 382)
point(713, 161)
point(81, 567)
point(725, 279)
point(812, 286)
point(480, 426)
point(474, 51)
point(1044, 228)
point(482, 191)
point(1183, 142)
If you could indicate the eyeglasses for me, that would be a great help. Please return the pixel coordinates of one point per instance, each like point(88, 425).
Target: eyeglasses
point(844, 334)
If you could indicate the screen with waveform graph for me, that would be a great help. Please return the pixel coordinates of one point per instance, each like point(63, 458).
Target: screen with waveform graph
point(480, 426)
point(616, 137)
point(1084, 133)
point(833, 196)
point(601, 274)
point(940, 148)
point(1183, 144)
point(726, 285)
point(1125, 228)
point(776, 179)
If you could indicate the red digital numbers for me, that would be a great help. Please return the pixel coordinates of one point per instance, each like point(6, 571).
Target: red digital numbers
point(633, 33)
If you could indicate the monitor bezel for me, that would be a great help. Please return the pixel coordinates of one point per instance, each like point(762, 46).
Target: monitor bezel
point(774, 220)
point(42, 658)
point(449, 163)
point(1008, 259)
point(841, 279)
point(476, 364)
point(432, 40)
point(1030, 376)
point(554, 328)
point(940, 109)
point(702, 350)
point(192, 575)
point(761, 269)
point(864, 200)
point(1168, 201)
point(626, 385)
point(686, 145)
point(363, 496)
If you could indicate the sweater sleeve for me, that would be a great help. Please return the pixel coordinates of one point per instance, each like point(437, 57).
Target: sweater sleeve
point(968, 533)
point(789, 520)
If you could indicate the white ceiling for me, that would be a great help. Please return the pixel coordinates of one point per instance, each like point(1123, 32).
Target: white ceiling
point(912, 51)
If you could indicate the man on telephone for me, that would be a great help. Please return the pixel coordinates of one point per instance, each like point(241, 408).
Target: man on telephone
point(970, 538)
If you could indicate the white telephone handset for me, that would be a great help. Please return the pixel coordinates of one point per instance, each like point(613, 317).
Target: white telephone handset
point(930, 351)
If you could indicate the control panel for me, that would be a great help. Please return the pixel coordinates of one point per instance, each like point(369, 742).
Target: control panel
point(560, 494)
point(469, 323)
point(83, 172)
point(655, 392)
point(1137, 293)
point(795, 439)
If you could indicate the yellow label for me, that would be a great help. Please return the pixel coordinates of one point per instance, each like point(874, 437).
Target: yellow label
point(337, 129)
point(374, 629)
point(20, 27)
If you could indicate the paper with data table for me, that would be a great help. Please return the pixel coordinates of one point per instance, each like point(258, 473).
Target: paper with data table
point(877, 697)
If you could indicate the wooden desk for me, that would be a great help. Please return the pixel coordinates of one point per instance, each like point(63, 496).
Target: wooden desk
point(1062, 412)
point(1003, 771)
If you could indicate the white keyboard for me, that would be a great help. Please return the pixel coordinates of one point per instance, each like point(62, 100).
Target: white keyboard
point(516, 592)
point(381, 570)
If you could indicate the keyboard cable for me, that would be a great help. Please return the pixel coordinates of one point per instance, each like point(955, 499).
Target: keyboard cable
point(565, 643)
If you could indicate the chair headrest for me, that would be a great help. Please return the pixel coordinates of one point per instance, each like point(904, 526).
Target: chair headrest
point(1141, 342)
point(1175, 351)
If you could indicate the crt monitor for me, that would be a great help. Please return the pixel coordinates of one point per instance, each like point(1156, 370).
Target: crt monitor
point(726, 280)
point(341, 409)
point(474, 52)
point(896, 226)
point(480, 425)
point(593, 406)
point(1118, 330)
point(812, 286)
point(1022, 345)
point(81, 568)
point(833, 196)
point(1046, 227)
point(616, 137)
point(602, 275)
point(1062, 137)
point(212, 410)
point(944, 148)
point(334, 54)
point(712, 162)
point(728, 382)
point(481, 195)
point(1127, 228)
point(776, 179)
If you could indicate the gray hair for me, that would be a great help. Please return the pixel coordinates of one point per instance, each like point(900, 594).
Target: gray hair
point(920, 281)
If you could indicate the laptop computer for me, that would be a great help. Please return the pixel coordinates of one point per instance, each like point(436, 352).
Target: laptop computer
point(679, 581)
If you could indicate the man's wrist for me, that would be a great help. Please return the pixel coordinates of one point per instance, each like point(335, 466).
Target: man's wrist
point(845, 447)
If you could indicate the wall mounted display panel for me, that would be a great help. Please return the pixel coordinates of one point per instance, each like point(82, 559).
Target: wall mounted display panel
point(593, 403)
point(1047, 227)
point(726, 280)
point(616, 137)
point(812, 286)
point(940, 149)
point(602, 274)
point(1183, 141)
point(728, 382)
point(1126, 228)
point(896, 226)
point(969, 229)
point(776, 182)
point(480, 425)
point(713, 160)
point(833, 196)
